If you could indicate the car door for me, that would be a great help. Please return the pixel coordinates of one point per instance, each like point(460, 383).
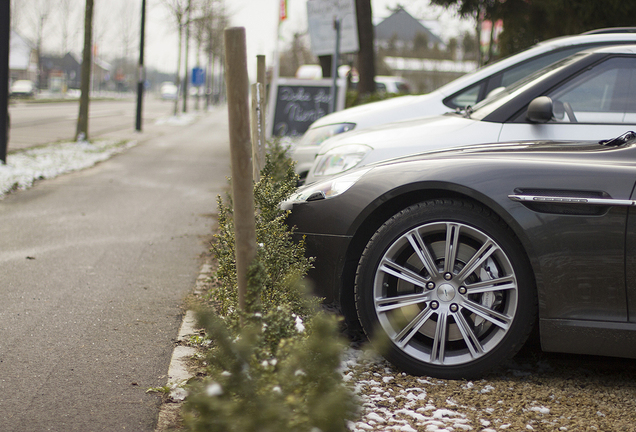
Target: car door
point(595, 104)
point(630, 261)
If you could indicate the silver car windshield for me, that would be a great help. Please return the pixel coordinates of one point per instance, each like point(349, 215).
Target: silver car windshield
point(485, 107)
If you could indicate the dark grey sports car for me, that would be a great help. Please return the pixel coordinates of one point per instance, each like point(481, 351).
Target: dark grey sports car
point(455, 255)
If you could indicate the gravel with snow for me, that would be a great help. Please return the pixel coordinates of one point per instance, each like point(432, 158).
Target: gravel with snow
point(534, 392)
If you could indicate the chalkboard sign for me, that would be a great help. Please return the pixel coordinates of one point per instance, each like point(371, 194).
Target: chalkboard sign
point(295, 104)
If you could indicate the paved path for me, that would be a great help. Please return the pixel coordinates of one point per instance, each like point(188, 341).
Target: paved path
point(94, 268)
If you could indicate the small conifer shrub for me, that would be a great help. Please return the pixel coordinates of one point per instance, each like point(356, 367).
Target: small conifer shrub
point(278, 370)
point(283, 259)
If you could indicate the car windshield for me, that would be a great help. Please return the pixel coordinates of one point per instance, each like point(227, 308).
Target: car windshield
point(488, 105)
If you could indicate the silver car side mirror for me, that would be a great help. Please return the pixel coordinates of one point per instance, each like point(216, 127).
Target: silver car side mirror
point(540, 110)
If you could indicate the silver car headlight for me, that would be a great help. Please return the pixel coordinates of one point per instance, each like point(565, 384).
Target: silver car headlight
point(328, 189)
point(340, 159)
point(315, 136)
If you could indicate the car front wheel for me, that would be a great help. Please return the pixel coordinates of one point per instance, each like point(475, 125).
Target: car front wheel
point(445, 290)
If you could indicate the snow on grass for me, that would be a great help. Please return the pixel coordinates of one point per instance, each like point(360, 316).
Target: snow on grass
point(40, 163)
point(24, 168)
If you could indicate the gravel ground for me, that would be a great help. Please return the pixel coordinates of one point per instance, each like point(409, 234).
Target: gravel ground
point(535, 391)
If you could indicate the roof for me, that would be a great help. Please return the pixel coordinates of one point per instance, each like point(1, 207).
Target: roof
point(404, 27)
point(68, 61)
point(19, 52)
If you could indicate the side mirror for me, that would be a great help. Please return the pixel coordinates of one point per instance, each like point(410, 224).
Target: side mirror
point(540, 110)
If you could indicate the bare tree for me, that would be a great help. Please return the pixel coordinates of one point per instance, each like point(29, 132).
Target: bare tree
point(87, 60)
point(67, 22)
point(127, 27)
point(188, 24)
point(298, 54)
point(366, 55)
point(178, 10)
point(38, 14)
point(103, 24)
point(17, 7)
point(211, 19)
point(208, 19)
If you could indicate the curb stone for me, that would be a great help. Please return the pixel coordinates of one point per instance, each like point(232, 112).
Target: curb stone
point(178, 372)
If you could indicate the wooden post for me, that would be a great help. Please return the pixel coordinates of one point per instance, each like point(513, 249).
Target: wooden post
point(259, 99)
point(260, 69)
point(237, 84)
point(258, 129)
point(260, 78)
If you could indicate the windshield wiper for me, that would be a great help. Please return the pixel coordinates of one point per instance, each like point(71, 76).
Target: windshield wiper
point(466, 112)
point(619, 140)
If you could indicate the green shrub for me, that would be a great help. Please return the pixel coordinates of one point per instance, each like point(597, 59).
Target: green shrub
point(283, 259)
point(274, 366)
point(272, 375)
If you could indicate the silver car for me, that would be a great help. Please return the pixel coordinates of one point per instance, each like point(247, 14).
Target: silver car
point(465, 91)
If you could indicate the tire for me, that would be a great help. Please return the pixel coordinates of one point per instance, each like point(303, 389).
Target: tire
point(455, 318)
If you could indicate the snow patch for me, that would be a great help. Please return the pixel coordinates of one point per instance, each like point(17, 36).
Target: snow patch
point(22, 169)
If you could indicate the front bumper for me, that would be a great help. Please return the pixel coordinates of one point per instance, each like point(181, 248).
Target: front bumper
point(329, 252)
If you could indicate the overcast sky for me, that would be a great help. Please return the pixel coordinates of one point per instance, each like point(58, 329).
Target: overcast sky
point(259, 17)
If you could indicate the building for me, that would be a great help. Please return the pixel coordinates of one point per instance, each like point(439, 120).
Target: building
point(407, 48)
point(61, 73)
point(401, 31)
point(23, 59)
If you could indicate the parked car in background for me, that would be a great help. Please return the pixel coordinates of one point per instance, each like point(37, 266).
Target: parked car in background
point(465, 91)
point(22, 88)
point(196, 91)
point(387, 84)
point(450, 258)
point(168, 91)
point(590, 95)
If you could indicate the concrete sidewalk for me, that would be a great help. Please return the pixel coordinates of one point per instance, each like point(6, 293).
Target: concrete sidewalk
point(95, 266)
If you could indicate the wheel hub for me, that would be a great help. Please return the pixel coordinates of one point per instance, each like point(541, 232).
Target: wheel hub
point(446, 292)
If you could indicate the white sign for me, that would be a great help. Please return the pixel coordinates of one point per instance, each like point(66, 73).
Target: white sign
point(320, 17)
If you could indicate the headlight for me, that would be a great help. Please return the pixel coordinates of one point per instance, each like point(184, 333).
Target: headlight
point(340, 159)
point(315, 137)
point(328, 189)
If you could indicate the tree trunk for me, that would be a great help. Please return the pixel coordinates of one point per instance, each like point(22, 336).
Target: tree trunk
point(366, 55)
point(480, 54)
point(187, 46)
point(87, 60)
point(325, 64)
point(178, 78)
point(5, 33)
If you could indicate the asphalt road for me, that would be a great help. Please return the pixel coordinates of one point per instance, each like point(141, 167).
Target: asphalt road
point(95, 266)
point(42, 122)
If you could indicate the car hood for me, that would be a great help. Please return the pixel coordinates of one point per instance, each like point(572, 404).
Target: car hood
point(410, 137)
point(414, 136)
point(389, 110)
